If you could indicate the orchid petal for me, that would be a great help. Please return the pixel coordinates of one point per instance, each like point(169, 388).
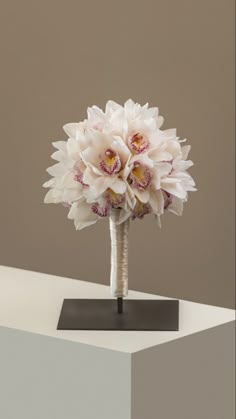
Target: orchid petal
point(176, 206)
point(57, 169)
point(60, 145)
point(185, 151)
point(101, 184)
point(53, 196)
point(156, 201)
point(118, 186)
point(176, 189)
point(143, 196)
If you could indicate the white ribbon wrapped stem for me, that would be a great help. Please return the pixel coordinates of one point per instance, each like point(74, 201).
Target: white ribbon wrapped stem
point(119, 255)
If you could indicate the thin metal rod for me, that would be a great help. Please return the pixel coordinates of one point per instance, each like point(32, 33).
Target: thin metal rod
point(120, 305)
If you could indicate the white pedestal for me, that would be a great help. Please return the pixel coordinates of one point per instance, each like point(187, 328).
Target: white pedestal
point(50, 374)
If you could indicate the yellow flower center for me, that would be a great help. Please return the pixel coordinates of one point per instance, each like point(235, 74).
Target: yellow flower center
point(138, 143)
point(138, 173)
point(110, 158)
point(111, 162)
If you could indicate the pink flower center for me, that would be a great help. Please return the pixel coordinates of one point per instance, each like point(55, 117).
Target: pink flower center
point(99, 210)
point(138, 143)
point(111, 162)
point(140, 176)
point(140, 210)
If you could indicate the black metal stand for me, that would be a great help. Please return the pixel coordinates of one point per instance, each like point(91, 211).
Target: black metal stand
point(119, 305)
point(119, 314)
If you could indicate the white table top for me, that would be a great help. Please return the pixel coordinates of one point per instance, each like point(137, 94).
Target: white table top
point(31, 301)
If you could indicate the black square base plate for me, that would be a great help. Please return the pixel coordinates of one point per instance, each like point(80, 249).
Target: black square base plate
point(93, 314)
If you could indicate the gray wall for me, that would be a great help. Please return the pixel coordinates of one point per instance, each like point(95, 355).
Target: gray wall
point(59, 57)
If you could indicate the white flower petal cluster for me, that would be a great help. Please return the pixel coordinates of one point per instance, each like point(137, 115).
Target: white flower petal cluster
point(119, 158)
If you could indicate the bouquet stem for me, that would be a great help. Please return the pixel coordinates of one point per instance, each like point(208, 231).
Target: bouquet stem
point(119, 258)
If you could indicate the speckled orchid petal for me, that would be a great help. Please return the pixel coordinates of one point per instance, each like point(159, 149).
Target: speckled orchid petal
point(140, 176)
point(100, 210)
point(140, 210)
point(110, 162)
point(115, 200)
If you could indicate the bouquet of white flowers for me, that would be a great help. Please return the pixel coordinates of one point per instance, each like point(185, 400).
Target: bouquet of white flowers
point(119, 159)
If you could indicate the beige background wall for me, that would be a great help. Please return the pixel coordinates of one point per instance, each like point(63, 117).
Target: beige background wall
point(57, 58)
